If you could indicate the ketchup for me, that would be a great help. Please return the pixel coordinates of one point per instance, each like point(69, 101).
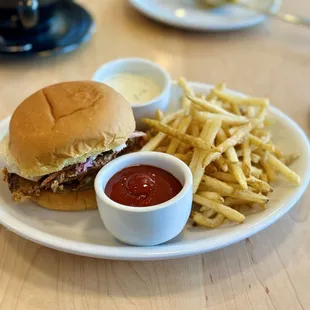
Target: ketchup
point(142, 186)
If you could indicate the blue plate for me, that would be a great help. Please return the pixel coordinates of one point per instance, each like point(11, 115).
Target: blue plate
point(70, 26)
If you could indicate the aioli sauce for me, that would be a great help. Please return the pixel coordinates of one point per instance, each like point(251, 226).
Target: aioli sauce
point(135, 88)
point(142, 186)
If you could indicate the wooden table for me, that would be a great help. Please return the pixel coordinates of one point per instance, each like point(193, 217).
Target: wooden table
point(268, 271)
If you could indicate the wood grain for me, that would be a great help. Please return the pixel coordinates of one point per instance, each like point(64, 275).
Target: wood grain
point(270, 270)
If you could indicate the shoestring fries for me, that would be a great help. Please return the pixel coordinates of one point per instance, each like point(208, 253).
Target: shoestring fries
point(224, 140)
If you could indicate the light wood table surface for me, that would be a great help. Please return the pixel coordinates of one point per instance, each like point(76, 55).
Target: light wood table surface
point(271, 270)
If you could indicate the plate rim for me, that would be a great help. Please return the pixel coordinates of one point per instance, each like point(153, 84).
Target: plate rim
point(139, 253)
point(184, 24)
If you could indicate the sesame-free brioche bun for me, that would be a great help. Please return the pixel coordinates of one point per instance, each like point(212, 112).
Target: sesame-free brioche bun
point(66, 123)
point(67, 201)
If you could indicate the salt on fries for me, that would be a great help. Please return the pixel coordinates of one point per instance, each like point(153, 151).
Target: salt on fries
point(224, 141)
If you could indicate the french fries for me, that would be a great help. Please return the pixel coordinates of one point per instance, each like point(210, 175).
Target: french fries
point(203, 220)
point(221, 162)
point(212, 196)
point(261, 185)
point(211, 168)
point(154, 142)
point(217, 186)
point(224, 141)
point(250, 196)
point(269, 169)
point(261, 144)
point(228, 212)
point(226, 119)
point(207, 134)
point(225, 177)
point(192, 141)
point(289, 159)
point(283, 169)
point(260, 102)
point(209, 106)
point(255, 158)
point(196, 164)
point(184, 157)
point(182, 127)
point(235, 138)
point(234, 161)
point(207, 212)
point(256, 172)
point(159, 114)
point(246, 163)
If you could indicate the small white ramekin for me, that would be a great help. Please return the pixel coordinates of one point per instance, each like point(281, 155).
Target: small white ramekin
point(146, 68)
point(145, 226)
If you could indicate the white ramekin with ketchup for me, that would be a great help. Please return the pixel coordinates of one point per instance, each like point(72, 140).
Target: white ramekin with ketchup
point(144, 217)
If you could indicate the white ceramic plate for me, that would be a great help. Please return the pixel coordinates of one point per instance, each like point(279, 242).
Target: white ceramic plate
point(188, 14)
point(83, 232)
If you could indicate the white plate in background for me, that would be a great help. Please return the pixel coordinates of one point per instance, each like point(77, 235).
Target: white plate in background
point(187, 14)
point(83, 233)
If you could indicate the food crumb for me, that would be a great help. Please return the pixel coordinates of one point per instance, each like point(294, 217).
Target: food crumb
point(211, 277)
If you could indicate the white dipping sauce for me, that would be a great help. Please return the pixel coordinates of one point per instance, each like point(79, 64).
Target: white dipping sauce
point(135, 88)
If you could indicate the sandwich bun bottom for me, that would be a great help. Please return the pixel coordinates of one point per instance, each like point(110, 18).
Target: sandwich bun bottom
point(68, 201)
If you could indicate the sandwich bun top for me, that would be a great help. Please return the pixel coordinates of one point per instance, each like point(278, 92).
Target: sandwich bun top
point(66, 123)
